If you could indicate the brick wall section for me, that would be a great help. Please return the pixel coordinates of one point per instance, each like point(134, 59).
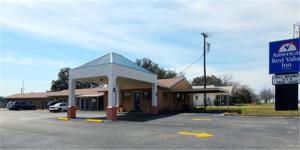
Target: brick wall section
point(128, 104)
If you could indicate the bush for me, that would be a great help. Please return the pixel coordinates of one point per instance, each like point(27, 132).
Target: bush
point(217, 102)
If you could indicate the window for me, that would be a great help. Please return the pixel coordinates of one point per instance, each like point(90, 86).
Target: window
point(147, 95)
point(178, 97)
point(208, 101)
point(196, 97)
point(126, 95)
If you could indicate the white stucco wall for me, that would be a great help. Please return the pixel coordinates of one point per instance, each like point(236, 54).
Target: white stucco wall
point(199, 102)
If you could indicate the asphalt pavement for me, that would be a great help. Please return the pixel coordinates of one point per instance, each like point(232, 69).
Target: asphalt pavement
point(41, 130)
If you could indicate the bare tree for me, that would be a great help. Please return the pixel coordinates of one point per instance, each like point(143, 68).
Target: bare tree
point(266, 95)
point(227, 79)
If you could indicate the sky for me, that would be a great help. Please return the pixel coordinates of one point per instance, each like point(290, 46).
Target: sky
point(39, 37)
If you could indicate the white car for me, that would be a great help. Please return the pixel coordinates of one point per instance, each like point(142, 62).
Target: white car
point(60, 107)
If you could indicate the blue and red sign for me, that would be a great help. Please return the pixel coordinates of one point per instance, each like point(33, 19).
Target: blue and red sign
point(284, 56)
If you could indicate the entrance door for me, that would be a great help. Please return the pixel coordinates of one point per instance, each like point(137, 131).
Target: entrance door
point(137, 101)
point(94, 104)
point(100, 103)
point(82, 104)
point(87, 104)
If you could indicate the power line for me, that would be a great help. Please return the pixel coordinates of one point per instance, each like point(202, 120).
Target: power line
point(191, 64)
point(247, 67)
point(236, 68)
point(239, 61)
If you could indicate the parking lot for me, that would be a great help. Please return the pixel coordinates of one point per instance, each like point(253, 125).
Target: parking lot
point(40, 129)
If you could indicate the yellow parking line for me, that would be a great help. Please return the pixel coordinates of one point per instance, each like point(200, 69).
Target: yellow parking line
point(201, 119)
point(62, 118)
point(94, 120)
point(196, 134)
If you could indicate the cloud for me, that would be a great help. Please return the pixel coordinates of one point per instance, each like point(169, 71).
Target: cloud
point(133, 26)
point(239, 30)
point(13, 58)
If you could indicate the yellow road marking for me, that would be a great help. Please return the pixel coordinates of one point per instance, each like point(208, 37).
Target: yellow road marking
point(196, 134)
point(201, 119)
point(94, 120)
point(165, 123)
point(62, 118)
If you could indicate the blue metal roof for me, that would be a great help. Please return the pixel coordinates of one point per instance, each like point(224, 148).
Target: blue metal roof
point(113, 58)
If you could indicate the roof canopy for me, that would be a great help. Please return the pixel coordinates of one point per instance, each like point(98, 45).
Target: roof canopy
point(109, 65)
point(113, 58)
point(78, 92)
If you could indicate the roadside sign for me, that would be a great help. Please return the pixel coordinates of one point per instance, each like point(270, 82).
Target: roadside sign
point(284, 56)
point(286, 79)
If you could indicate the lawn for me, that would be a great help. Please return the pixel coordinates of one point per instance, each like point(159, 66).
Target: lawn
point(252, 109)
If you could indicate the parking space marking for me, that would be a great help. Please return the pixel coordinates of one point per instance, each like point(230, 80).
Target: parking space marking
point(165, 123)
point(201, 119)
point(63, 118)
point(94, 120)
point(196, 134)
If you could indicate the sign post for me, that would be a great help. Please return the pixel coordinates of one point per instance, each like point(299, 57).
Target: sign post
point(284, 62)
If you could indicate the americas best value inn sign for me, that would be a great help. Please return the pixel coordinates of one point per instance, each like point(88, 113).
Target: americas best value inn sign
point(284, 56)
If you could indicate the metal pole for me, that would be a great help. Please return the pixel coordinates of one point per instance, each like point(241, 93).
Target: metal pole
point(299, 30)
point(220, 101)
point(269, 96)
point(294, 30)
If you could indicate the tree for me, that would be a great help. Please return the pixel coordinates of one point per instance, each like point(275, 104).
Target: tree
point(210, 80)
point(62, 83)
point(153, 67)
point(243, 94)
point(266, 95)
point(226, 79)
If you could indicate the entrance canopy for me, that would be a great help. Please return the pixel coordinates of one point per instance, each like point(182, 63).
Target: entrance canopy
point(118, 72)
point(110, 65)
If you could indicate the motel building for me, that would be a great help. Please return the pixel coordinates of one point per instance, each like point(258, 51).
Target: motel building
point(129, 87)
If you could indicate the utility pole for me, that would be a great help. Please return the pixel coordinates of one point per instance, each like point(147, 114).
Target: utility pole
point(204, 63)
point(22, 88)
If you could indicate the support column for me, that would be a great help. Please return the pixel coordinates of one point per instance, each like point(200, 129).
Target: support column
point(154, 109)
point(111, 110)
point(117, 96)
point(72, 107)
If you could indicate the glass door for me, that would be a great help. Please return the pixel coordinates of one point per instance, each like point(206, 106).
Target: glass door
point(137, 101)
